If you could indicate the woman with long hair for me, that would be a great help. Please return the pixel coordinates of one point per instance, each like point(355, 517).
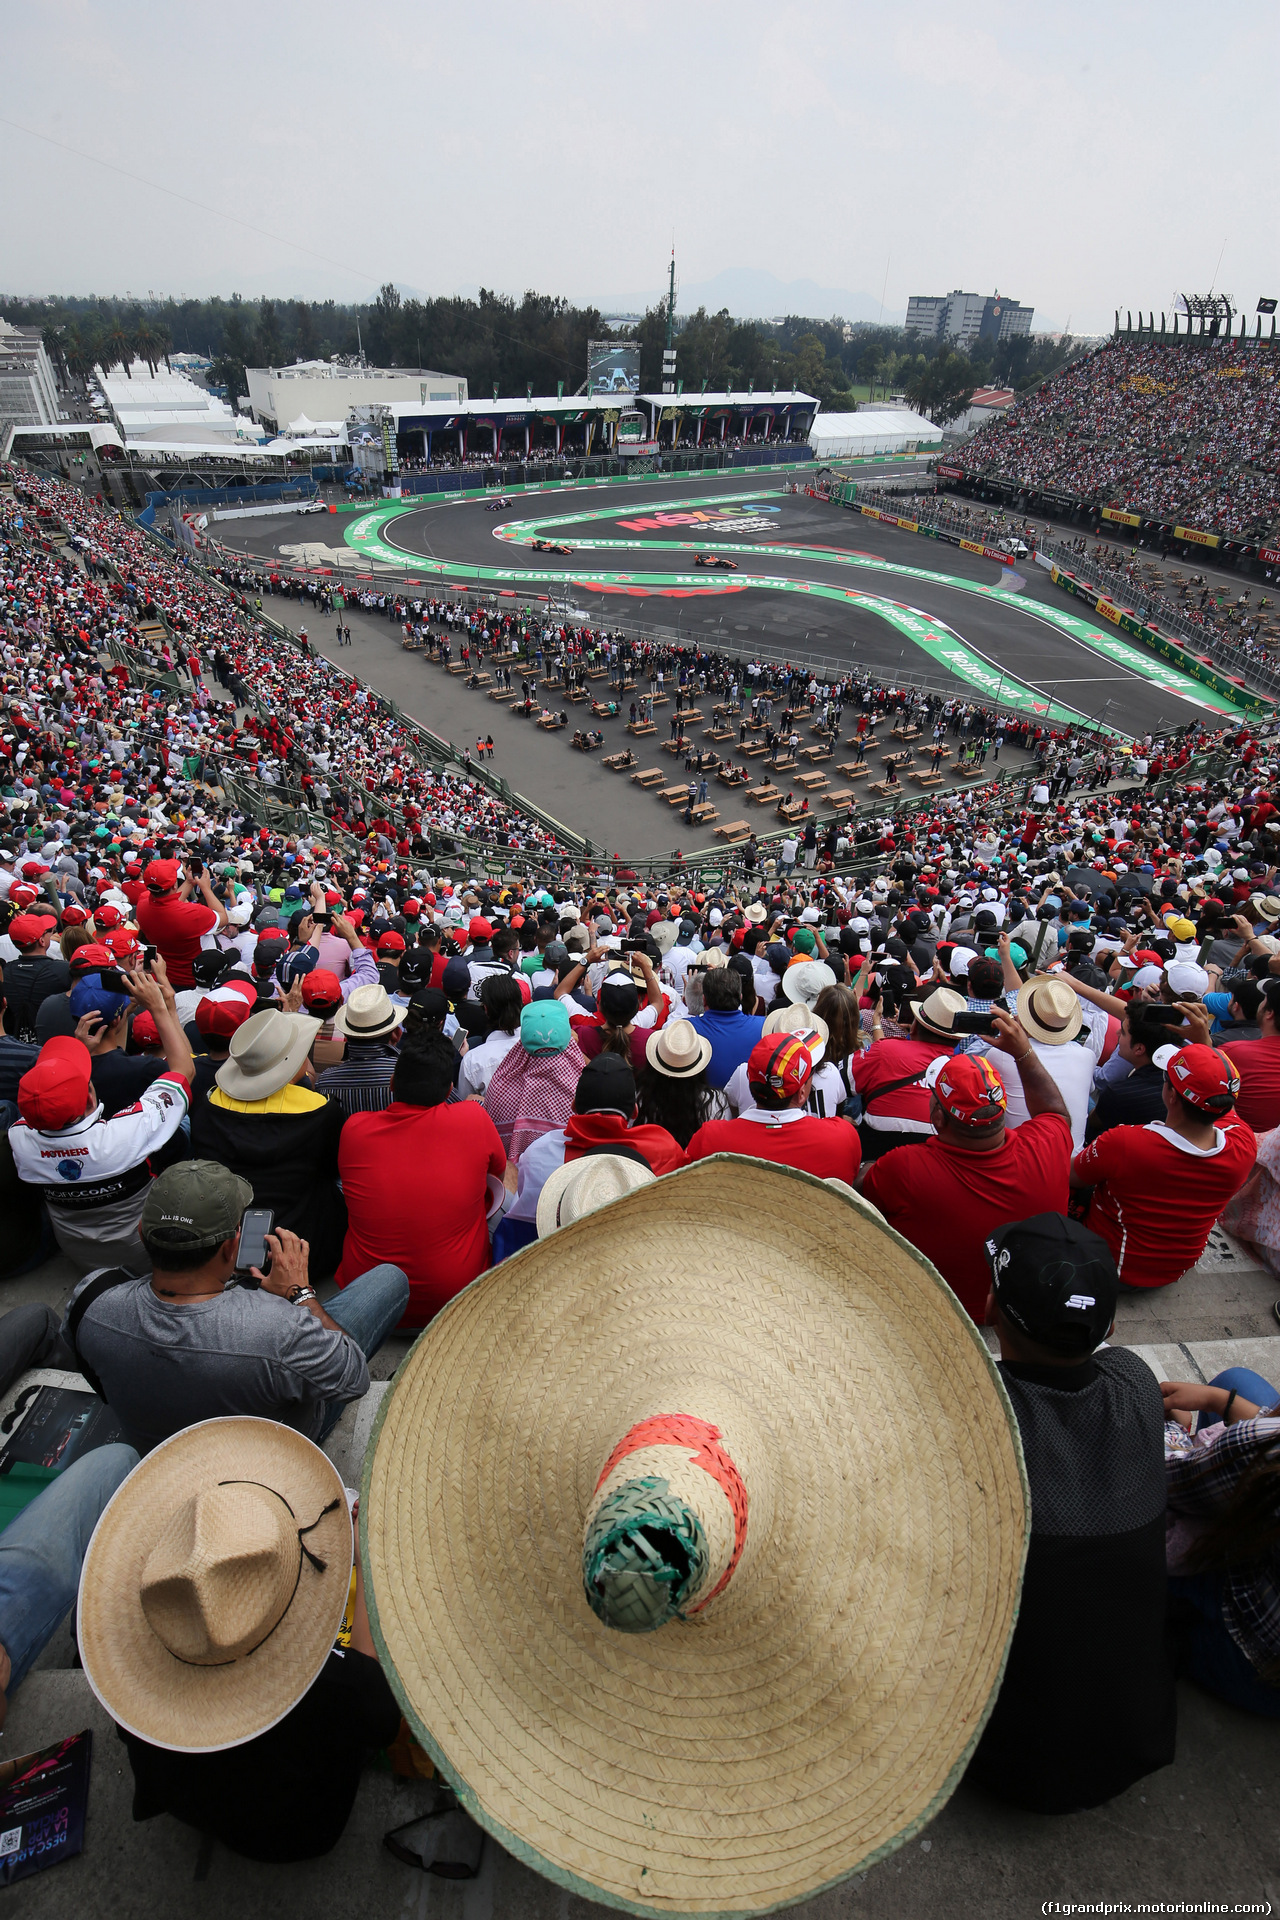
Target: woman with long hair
point(839, 1007)
point(672, 1090)
point(1223, 1546)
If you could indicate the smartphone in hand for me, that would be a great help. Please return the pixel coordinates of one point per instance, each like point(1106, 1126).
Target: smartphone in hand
point(256, 1223)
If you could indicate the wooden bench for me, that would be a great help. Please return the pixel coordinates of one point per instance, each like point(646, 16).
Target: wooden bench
point(844, 798)
point(811, 782)
point(504, 659)
point(618, 762)
point(885, 786)
point(640, 727)
point(734, 830)
point(905, 733)
point(576, 696)
point(552, 723)
point(597, 673)
point(704, 813)
point(897, 759)
point(658, 699)
point(927, 779)
point(603, 710)
point(852, 769)
point(503, 694)
point(754, 753)
point(675, 796)
point(783, 766)
point(690, 716)
point(457, 666)
point(480, 679)
point(717, 733)
point(651, 777)
point(763, 795)
point(789, 813)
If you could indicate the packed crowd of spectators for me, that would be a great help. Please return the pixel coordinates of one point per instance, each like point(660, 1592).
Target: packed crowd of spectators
point(1186, 432)
point(1039, 1032)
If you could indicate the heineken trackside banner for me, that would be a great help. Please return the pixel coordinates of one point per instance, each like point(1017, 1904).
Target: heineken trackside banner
point(1122, 519)
point(1155, 642)
point(1196, 539)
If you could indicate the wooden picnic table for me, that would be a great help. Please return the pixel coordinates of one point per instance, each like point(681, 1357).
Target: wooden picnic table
point(618, 762)
point(734, 830)
point(814, 754)
point(811, 782)
point(762, 795)
point(651, 777)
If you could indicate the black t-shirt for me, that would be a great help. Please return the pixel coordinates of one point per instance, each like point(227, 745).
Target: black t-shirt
point(288, 1794)
point(28, 981)
point(54, 1015)
point(121, 1078)
point(1087, 1703)
point(16, 1058)
point(1128, 1103)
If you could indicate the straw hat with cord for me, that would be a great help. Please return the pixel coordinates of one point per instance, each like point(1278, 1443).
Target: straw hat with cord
point(582, 1186)
point(683, 1635)
point(214, 1584)
point(677, 1050)
point(800, 1018)
point(368, 1015)
point(936, 1015)
point(266, 1053)
point(1049, 1010)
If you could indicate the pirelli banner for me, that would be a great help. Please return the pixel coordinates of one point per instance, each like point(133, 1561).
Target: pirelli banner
point(1158, 644)
point(1269, 556)
point(1121, 518)
point(1196, 539)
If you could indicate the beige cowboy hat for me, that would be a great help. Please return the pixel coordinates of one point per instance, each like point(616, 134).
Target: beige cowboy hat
point(1049, 1010)
point(1266, 906)
point(709, 959)
point(804, 1021)
point(678, 1050)
point(214, 1584)
point(804, 980)
point(757, 912)
point(663, 933)
point(368, 1014)
point(584, 1186)
point(680, 1633)
point(937, 1013)
point(266, 1053)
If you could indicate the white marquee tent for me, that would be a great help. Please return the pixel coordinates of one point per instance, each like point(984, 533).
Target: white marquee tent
point(837, 436)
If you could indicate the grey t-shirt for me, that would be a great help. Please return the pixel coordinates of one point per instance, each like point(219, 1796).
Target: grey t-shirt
point(167, 1364)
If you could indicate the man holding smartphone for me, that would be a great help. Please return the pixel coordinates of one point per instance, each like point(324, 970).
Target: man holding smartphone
point(170, 920)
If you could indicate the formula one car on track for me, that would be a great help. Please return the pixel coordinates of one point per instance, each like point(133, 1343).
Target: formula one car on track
point(550, 546)
point(715, 560)
point(496, 506)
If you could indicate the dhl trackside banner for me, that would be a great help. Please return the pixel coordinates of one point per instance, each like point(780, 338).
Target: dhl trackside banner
point(1196, 539)
point(1165, 649)
point(1122, 519)
point(1108, 611)
point(988, 553)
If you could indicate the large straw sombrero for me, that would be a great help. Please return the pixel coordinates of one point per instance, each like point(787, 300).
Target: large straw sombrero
point(694, 1568)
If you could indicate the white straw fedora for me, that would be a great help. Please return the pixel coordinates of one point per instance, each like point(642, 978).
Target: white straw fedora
point(583, 1186)
point(214, 1584)
point(937, 1013)
point(683, 1635)
point(266, 1053)
point(804, 980)
point(1049, 1010)
point(368, 1014)
point(678, 1050)
point(800, 1018)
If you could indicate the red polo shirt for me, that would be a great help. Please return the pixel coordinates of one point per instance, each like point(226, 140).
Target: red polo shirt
point(175, 926)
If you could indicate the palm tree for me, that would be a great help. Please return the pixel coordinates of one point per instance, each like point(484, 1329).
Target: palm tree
point(117, 349)
point(148, 344)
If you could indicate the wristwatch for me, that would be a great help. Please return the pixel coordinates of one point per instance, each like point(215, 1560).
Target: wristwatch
point(300, 1294)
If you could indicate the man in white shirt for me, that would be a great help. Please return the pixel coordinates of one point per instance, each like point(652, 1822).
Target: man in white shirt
point(1052, 1015)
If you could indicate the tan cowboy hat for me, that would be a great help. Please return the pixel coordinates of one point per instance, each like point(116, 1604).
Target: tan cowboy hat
point(266, 1053)
point(681, 1634)
point(585, 1185)
point(804, 980)
point(803, 1020)
point(368, 1014)
point(663, 934)
point(709, 959)
point(1266, 906)
point(757, 912)
point(214, 1584)
point(678, 1050)
point(937, 1013)
point(1049, 1010)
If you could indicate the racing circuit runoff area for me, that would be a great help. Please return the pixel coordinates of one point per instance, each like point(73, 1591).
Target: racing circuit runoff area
point(805, 580)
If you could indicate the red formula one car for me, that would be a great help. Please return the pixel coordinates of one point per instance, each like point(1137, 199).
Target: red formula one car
point(716, 561)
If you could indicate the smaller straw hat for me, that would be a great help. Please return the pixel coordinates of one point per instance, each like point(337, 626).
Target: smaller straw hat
point(214, 1584)
point(368, 1015)
point(663, 934)
point(757, 912)
point(266, 1053)
point(800, 1019)
point(937, 1014)
point(584, 1186)
point(1049, 1010)
point(678, 1050)
point(804, 980)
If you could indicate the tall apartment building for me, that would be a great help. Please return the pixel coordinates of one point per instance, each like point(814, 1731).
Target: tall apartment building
point(963, 318)
point(28, 383)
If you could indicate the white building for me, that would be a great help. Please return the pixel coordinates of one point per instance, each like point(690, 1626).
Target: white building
point(167, 412)
point(323, 391)
point(963, 318)
point(28, 384)
point(841, 436)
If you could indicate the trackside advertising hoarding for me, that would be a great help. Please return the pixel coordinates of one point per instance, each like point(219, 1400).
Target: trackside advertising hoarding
point(1166, 649)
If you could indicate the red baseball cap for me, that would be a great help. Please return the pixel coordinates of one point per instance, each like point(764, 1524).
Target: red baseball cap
point(27, 928)
point(320, 988)
point(144, 1029)
point(22, 895)
point(221, 1013)
point(91, 956)
point(124, 943)
point(479, 929)
point(54, 1092)
point(161, 875)
point(391, 942)
point(32, 869)
point(412, 908)
point(1205, 1078)
point(74, 915)
point(968, 1088)
point(106, 918)
point(781, 1062)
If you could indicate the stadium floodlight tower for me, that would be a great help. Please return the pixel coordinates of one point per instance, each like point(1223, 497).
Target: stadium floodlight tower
point(669, 351)
point(1214, 311)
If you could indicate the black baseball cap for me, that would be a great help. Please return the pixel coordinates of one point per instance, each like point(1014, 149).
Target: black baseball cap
point(429, 1006)
point(606, 1085)
point(1055, 1281)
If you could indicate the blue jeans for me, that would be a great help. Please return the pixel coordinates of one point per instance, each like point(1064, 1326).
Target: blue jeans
point(368, 1310)
point(1205, 1650)
point(42, 1550)
point(1248, 1384)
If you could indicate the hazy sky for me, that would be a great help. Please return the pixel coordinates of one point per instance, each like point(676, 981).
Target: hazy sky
point(1077, 157)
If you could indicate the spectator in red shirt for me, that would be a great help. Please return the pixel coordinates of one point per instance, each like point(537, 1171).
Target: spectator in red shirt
point(169, 919)
point(441, 1246)
point(1257, 1065)
point(604, 1108)
point(1155, 1191)
point(779, 1070)
point(950, 1192)
point(902, 1115)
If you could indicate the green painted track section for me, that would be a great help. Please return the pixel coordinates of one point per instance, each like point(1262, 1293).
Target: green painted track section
point(925, 631)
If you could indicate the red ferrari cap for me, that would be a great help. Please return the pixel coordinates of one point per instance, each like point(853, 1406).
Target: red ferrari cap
point(480, 929)
point(105, 919)
point(160, 875)
point(144, 1029)
point(23, 895)
point(26, 928)
point(320, 988)
point(74, 915)
point(391, 942)
point(53, 1093)
point(781, 1062)
point(221, 1013)
point(91, 956)
point(968, 1088)
point(1204, 1077)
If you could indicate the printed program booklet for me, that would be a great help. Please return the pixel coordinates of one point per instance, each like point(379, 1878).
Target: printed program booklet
point(43, 1800)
